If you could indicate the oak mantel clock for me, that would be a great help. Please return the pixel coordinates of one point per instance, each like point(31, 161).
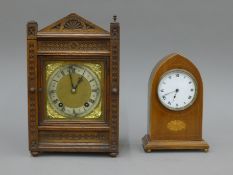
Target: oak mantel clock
point(73, 86)
point(175, 106)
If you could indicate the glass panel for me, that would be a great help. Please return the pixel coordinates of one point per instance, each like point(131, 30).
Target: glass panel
point(74, 90)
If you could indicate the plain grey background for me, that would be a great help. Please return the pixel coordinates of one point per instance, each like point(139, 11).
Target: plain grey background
point(201, 30)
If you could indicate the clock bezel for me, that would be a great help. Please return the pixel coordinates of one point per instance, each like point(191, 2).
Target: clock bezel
point(195, 95)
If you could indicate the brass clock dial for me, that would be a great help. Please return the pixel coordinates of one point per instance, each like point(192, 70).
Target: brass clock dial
point(74, 90)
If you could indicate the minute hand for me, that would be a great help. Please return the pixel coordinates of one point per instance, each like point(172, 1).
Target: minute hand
point(176, 91)
point(169, 93)
point(79, 80)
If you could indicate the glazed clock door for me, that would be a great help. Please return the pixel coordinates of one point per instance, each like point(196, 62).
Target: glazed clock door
point(74, 90)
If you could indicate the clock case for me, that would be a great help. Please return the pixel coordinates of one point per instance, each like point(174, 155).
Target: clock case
point(73, 38)
point(174, 130)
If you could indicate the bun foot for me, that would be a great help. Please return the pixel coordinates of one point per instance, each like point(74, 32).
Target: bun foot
point(113, 154)
point(147, 150)
point(35, 153)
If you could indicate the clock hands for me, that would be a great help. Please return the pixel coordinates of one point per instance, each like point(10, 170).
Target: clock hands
point(74, 87)
point(79, 80)
point(175, 91)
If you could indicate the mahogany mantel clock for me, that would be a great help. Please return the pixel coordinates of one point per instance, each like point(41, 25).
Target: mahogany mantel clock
point(73, 86)
point(175, 106)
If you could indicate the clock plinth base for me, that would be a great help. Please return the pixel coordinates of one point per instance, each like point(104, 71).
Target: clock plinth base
point(149, 145)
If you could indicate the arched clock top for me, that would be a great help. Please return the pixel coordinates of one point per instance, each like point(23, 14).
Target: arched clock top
point(174, 61)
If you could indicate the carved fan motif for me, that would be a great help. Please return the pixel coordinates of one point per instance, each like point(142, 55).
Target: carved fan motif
point(73, 24)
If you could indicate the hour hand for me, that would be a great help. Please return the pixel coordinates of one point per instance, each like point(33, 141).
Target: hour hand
point(174, 97)
point(71, 80)
point(177, 90)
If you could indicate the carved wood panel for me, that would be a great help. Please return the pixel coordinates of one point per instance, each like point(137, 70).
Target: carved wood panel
point(32, 85)
point(73, 137)
point(115, 39)
point(74, 45)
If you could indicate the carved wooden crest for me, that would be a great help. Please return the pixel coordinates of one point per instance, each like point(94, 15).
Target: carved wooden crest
point(73, 23)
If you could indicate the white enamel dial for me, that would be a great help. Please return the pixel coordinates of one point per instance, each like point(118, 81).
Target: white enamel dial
point(177, 89)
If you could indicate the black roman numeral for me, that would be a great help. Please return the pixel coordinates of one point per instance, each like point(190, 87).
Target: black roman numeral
point(52, 91)
point(74, 112)
point(91, 100)
point(72, 69)
point(62, 72)
point(95, 90)
point(55, 101)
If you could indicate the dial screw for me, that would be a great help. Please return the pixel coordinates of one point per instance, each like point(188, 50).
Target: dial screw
point(86, 104)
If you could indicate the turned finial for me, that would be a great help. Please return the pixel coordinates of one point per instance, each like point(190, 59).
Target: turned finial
point(114, 18)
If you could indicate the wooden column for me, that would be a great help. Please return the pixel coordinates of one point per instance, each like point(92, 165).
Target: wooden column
point(114, 71)
point(32, 28)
